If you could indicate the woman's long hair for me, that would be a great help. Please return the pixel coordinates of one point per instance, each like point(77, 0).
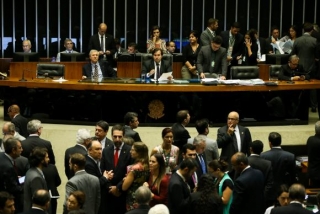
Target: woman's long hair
point(162, 169)
point(143, 155)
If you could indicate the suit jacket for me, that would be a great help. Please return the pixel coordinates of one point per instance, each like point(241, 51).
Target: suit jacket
point(180, 135)
point(237, 47)
point(248, 193)
point(35, 141)
point(52, 178)
point(88, 184)
point(148, 65)
point(129, 132)
point(65, 51)
point(94, 43)
point(291, 208)
point(286, 72)
point(22, 164)
point(20, 123)
point(34, 211)
point(106, 69)
point(256, 162)
point(142, 209)
point(220, 62)
point(34, 181)
point(226, 143)
point(199, 168)
point(178, 195)
point(313, 146)
point(264, 48)
point(206, 37)
point(211, 149)
point(70, 151)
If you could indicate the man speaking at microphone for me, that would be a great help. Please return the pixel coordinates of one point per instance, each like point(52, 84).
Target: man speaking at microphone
point(233, 138)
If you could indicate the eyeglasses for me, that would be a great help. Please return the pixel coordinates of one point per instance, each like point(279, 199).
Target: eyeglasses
point(295, 64)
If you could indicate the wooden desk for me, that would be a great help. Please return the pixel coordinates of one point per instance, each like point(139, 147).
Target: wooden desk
point(312, 191)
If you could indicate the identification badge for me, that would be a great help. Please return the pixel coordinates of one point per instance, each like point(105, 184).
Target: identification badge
point(244, 59)
point(212, 64)
point(229, 53)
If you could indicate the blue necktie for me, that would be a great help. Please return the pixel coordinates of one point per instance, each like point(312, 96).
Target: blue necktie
point(203, 164)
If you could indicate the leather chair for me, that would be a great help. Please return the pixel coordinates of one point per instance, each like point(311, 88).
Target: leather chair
point(274, 71)
point(244, 72)
point(167, 58)
point(50, 70)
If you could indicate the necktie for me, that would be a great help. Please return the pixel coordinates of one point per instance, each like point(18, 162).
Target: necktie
point(203, 165)
point(158, 71)
point(213, 34)
point(235, 142)
point(102, 44)
point(15, 167)
point(95, 73)
point(116, 157)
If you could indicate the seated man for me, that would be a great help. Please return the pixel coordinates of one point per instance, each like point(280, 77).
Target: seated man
point(97, 69)
point(212, 59)
point(26, 46)
point(293, 71)
point(171, 47)
point(132, 48)
point(155, 67)
point(68, 44)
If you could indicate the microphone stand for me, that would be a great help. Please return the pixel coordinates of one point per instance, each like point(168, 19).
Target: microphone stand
point(22, 78)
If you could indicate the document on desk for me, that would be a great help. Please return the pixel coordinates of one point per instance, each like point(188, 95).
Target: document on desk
point(209, 79)
point(230, 82)
point(165, 76)
point(60, 80)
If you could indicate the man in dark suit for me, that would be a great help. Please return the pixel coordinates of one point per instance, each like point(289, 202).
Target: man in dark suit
point(92, 160)
point(131, 122)
point(18, 120)
point(212, 59)
point(40, 202)
point(180, 133)
point(142, 197)
point(200, 143)
point(35, 129)
point(283, 163)
point(232, 41)
point(256, 162)
point(233, 138)
point(272, 39)
point(83, 140)
point(210, 32)
point(103, 43)
point(179, 190)
point(297, 194)
point(313, 146)
point(35, 178)
point(116, 199)
point(292, 71)
point(248, 187)
point(97, 69)
point(262, 45)
point(7, 205)
point(101, 131)
point(8, 175)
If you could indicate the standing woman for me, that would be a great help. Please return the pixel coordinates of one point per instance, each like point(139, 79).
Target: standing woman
point(158, 181)
point(155, 41)
point(169, 152)
point(223, 182)
point(137, 174)
point(250, 49)
point(190, 54)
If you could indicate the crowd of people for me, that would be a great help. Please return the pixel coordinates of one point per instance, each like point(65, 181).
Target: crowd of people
point(184, 174)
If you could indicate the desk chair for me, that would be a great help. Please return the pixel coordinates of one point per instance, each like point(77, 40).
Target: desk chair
point(244, 72)
point(274, 71)
point(50, 70)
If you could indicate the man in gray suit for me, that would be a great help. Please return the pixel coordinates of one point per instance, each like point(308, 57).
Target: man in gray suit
point(68, 44)
point(212, 60)
point(84, 182)
point(34, 178)
point(210, 32)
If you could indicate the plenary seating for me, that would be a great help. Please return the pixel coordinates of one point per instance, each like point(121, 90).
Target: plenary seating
point(244, 72)
point(50, 70)
point(274, 71)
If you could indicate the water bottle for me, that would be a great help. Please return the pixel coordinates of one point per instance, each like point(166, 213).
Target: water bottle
point(53, 59)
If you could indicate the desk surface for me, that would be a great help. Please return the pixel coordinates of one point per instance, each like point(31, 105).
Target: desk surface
point(131, 85)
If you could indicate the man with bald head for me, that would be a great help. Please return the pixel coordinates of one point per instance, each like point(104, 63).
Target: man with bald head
point(9, 128)
point(103, 42)
point(18, 120)
point(233, 138)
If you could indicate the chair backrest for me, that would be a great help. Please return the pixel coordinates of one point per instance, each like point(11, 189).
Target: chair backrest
point(50, 70)
point(244, 72)
point(274, 71)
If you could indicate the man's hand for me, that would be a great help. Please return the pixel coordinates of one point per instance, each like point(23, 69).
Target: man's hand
point(108, 174)
point(108, 52)
point(222, 78)
point(151, 72)
point(230, 130)
point(114, 191)
point(202, 76)
point(229, 58)
point(84, 77)
point(101, 53)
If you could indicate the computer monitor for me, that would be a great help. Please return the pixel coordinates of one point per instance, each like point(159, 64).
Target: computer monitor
point(72, 57)
point(25, 57)
point(277, 59)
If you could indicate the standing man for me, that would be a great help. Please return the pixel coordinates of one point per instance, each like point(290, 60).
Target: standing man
point(233, 138)
point(180, 133)
point(200, 144)
point(68, 44)
point(34, 127)
point(210, 32)
point(34, 178)
point(313, 146)
point(248, 187)
point(9, 128)
point(271, 41)
point(212, 60)
point(103, 43)
point(18, 120)
point(116, 158)
point(40, 202)
point(84, 182)
point(131, 122)
point(101, 131)
point(6, 203)
point(142, 197)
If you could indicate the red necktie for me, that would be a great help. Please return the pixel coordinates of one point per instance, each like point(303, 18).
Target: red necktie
point(116, 157)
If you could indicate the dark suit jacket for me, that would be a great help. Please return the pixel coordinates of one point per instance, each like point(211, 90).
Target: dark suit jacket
point(22, 164)
point(237, 47)
point(106, 69)
point(94, 43)
point(286, 72)
point(70, 151)
point(129, 132)
point(34, 211)
point(220, 62)
point(20, 123)
point(35, 141)
point(313, 146)
point(199, 168)
point(180, 135)
point(225, 142)
point(142, 209)
point(248, 193)
point(178, 195)
point(148, 65)
point(291, 208)
point(265, 167)
point(264, 48)
point(52, 178)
